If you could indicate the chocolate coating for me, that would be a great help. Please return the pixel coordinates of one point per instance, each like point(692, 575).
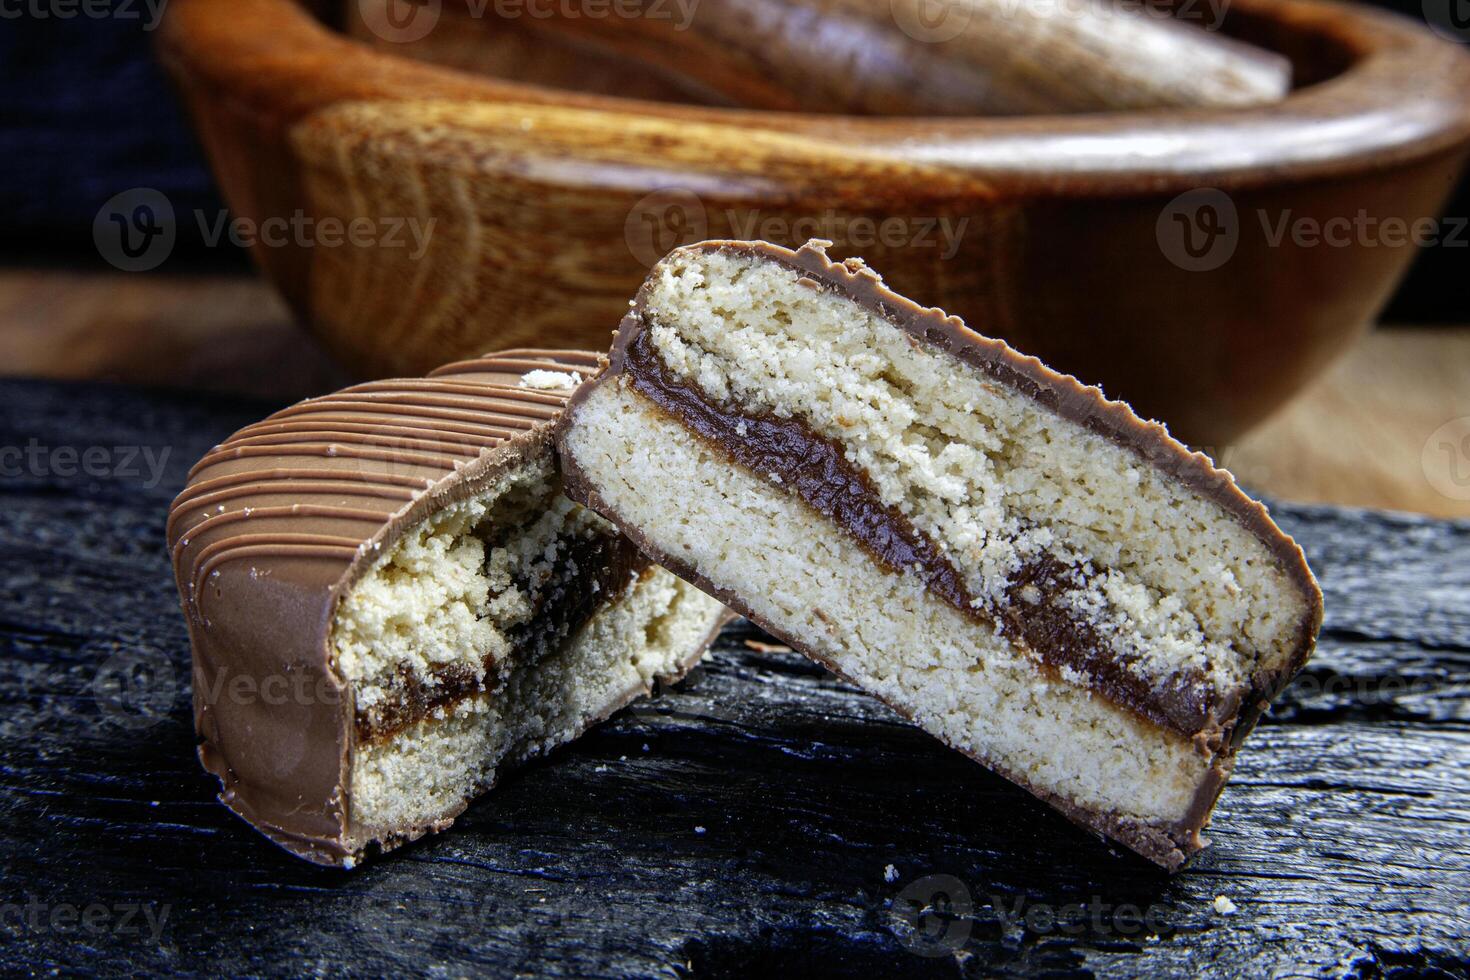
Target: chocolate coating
point(280, 520)
point(817, 471)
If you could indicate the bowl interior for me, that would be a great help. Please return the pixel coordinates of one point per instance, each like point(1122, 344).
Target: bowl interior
point(593, 58)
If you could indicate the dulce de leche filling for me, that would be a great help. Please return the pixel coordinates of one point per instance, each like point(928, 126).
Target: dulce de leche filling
point(588, 573)
point(816, 469)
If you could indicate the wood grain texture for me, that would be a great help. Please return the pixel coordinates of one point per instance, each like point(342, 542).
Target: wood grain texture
point(1387, 426)
point(546, 206)
point(740, 823)
point(226, 333)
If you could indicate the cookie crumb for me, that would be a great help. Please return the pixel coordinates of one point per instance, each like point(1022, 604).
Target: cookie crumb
point(890, 874)
point(1224, 906)
point(547, 380)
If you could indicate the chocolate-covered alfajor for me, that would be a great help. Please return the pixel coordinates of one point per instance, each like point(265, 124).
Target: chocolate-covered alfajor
point(390, 601)
point(1018, 564)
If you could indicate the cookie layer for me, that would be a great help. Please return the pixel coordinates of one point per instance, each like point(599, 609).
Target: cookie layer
point(1085, 547)
point(390, 600)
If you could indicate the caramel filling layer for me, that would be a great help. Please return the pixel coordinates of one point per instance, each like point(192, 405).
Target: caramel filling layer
point(588, 573)
point(816, 469)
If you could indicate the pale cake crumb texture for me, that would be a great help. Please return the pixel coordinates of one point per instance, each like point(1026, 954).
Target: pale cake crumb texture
point(448, 594)
point(955, 676)
point(427, 771)
point(440, 598)
point(1174, 583)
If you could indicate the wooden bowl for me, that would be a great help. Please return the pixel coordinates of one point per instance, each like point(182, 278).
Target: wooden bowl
point(1066, 233)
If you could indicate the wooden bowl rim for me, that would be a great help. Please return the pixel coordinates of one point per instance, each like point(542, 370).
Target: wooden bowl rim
point(1401, 100)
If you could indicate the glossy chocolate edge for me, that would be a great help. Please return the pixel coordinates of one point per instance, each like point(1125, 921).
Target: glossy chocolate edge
point(286, 626)
point(1085, 405)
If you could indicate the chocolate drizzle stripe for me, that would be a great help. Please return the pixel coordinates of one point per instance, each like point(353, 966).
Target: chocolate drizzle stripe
point(456, 389)
point(388, 482)
point(249, 484)
point(476, 433)
point(490, 414)
point(427, 434)
point(817, 470)
point(337, 450)
point(408, 447)
point(518, 390)
point(513, 365)
point(323, 487)
point(285, 510)
point(485, 403)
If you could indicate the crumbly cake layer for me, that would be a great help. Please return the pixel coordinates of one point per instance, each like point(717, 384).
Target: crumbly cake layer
point(494, 630)
point(509, 572)
point(1099, 560)
point(1184, 599)
point(770, 555)
point(361, 569)
point(419, 778)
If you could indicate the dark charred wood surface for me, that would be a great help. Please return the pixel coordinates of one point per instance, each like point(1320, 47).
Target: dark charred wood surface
point(744, 821)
